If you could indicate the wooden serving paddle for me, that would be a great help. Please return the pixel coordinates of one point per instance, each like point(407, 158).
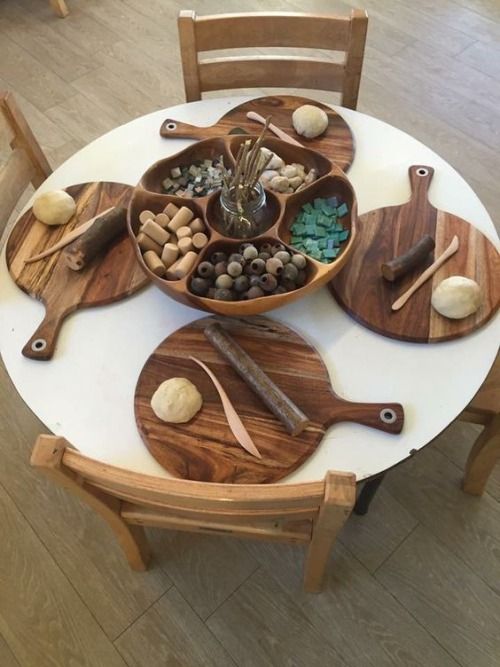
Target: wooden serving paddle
point(389, 232)
point(110, 277)
point(337, 143)
point(204, 449)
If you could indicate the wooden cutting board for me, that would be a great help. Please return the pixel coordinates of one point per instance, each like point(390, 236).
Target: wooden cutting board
point(108, 278)
point(204, 449)
point(337, 143)
point(387, 232)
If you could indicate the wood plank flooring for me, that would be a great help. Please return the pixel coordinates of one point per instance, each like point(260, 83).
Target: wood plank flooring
point(417, 580)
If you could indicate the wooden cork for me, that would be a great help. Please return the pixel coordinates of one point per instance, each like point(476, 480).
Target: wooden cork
point(162, 219)
point(169, 254)
point(146, 215)
point(185, 245)
point(200, 240)
point(171, 210)
point(181, 219)
point(292, 417)
point(154, 231)
point(183, 232)
point(197, 225)
point(146, 243)
point(182, 266)
point(154, 263)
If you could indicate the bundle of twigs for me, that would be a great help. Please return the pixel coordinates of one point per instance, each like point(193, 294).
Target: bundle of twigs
point(239, 186)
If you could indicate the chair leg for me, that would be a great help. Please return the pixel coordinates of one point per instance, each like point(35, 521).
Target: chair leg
point(340, 495)
point(367, 494)
point(484, 454)
point(47, 455)
point(60, 8)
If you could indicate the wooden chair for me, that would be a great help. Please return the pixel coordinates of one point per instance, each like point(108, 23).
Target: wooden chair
point(311, 513)
point(26, 163)
point(484, 409)
point(283, 29)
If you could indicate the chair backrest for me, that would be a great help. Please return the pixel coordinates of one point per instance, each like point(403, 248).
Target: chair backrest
point(25, 161)
point(279, 29)
point(311, 513)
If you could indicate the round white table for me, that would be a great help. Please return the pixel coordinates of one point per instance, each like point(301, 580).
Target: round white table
point(85, 393)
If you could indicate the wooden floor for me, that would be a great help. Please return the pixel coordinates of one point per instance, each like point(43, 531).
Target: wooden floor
point(415, 582)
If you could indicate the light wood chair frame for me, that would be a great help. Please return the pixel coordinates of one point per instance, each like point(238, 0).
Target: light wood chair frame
point(60, 7)
point(25, 164)
point(278, 29)
point(311, 513)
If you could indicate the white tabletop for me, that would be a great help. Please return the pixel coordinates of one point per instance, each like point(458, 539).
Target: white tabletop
point(86, 391)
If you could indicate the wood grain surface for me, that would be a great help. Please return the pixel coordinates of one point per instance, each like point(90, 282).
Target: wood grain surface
point(110, 277)
point(337, 143)
point(204, 449)
point(388, 232)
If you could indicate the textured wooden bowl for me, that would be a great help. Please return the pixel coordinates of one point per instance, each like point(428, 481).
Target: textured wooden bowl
point(282, 210)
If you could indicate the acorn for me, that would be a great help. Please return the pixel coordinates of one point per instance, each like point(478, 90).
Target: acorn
point(205, 269)
point(268, 282)
point(224, 281)
point(200, 286)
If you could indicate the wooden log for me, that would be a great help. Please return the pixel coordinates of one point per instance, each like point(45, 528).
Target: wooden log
point(292, 417)
point(96, 239)
point(400, 266)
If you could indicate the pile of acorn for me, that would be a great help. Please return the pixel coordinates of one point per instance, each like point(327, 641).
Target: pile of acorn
point(250, 273)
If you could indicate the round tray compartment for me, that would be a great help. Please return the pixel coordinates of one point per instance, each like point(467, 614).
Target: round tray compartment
point(283, 210)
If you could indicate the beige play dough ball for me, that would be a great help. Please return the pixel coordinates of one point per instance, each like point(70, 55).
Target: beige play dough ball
point(54, 208)
point(456, 297)
point(176, 400)
point(309, 121)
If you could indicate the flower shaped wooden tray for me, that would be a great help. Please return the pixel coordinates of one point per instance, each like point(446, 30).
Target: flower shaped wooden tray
point(281, 208)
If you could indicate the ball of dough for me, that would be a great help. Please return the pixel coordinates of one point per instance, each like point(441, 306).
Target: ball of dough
point(456, 297)
point(54, 208)
point(309, 121)
point(176, 400)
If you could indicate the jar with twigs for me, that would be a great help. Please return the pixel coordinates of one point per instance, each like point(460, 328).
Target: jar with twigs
point(243, 198)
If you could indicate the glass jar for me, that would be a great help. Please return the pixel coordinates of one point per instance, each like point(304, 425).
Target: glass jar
point(247, 222)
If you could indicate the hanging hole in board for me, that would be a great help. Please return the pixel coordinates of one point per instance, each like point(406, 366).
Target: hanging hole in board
point(422, 171)
point(388, 416)
point(39, 345)
point(171, 126)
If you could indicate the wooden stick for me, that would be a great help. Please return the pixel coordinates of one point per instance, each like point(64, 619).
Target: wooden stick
point(252, 115)
point(235, 424)
point(74, 234)
point(294, 420)
point(400, 266)
point(431, 270)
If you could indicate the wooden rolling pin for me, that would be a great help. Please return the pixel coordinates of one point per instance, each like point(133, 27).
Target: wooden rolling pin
point(96, 239)
point(294, 420)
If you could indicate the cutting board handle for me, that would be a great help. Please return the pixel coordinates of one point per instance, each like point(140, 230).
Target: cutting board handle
point(420, 180)
point(177, 130)
point(42, 343)
point(387, 417)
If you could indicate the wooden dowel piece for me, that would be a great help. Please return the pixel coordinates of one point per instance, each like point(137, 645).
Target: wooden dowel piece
point(146, 243)
point(292, 417)
point(182, 218)
point(400, 266)
point(96, 239)
point(154, 263)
